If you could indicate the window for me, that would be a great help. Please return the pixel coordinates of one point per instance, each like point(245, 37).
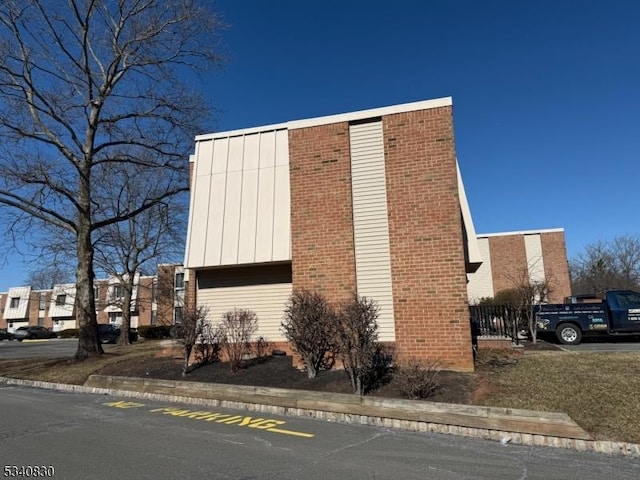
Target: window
point(115, 318)
point(179, 280)
point(117, 292)
point(61, 300)
point(43, 302)
point(177, 315)
point(15, 302)
point(154, 317)
point(96, 294)
point(154, 291)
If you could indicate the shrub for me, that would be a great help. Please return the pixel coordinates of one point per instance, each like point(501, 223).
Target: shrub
point(68, 333)
point(188, 332)
point(208, 344)
point(236, 329)
point(154, 331)
point(418, 379)
point(357, 340)
point(310, 324)
point(261, 347)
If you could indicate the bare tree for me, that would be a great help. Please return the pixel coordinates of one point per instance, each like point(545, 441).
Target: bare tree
point(189, 332)
point(88, 88)
point(309, 324)
point(46, 276)
point(127, 248)
point(607, 265)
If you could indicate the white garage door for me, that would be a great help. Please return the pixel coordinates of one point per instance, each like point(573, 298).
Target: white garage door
point(264, 290)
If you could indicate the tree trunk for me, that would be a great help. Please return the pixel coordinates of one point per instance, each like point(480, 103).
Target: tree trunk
point(126, 310)
point(88, 342)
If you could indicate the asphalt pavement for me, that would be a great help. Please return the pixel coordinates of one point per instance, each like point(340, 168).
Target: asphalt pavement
point(102, 437)
point(54, 347)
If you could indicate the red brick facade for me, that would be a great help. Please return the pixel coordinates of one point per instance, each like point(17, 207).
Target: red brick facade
point(508, 261)
point(556, 266)
point(426, 240)
point(425, 229)
point(323, 256)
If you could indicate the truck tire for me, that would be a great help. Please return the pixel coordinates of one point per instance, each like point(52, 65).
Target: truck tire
point(569, 334)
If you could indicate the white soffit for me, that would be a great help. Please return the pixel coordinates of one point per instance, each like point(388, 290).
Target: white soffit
point(472, 241)
point(521, 232)
point(240, 200)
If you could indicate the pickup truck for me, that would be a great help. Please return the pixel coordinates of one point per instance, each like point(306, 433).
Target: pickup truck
point(617, 314)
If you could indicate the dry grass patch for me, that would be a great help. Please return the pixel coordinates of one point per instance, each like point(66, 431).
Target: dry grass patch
point(601, 392)
point(69, 370)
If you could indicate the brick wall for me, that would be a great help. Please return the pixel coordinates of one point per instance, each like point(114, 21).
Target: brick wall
point(144, 305)
point(165, 294)
point(508, 261)
point(556, 267)
point(321, 210)
point(426, 240)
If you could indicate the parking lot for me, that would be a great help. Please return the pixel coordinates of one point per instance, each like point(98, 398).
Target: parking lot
point(54, 347)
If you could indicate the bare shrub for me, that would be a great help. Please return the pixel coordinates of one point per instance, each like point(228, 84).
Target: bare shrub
point(188, 332)
point(261, 347)
point(309, 325)
point(418, 379)
point(209, 343)
point(237, 328)
point(357, 340)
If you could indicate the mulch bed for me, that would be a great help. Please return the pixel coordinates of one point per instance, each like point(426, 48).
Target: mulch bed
point(278, 372)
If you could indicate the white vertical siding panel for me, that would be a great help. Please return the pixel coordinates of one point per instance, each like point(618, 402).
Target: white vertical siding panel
point(281, 215)
point(248, 217)
point(264, 227)
point(198, 224)
point(370, 220)
point(213, 247)
point(251, 155)
point(481, 281)
point(240, 201)
point(235, 154)
point(267, 149)
point(535, 262)
point(220, 154)
point(231, 227)
point(204, 158)
point(282, 148)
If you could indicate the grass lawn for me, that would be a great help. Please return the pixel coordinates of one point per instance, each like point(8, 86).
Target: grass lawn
point(601, 392)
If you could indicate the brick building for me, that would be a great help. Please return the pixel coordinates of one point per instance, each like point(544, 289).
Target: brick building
point(156, 300)
point(510, 258)
point(369, 202)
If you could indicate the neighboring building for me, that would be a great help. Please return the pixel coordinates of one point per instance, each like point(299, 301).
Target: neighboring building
point(510, 258)
point(55, 308)
point(369, 202)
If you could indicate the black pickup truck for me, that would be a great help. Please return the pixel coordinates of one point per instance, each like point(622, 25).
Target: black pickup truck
point(617, 314)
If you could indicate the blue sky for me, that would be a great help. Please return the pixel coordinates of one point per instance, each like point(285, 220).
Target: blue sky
point(546, 94)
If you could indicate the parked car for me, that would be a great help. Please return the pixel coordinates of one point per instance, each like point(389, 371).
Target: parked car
point(108, 333)
point(30, 333)
point(4, 335)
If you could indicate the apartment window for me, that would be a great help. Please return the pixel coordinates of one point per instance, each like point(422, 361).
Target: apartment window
point(61, 300)
point(115, 318)
point(154, 291)
point(43, 302)
point(154, 317)
point(118, 292)
point(15, 302)
point(177, 315)
point(96, 294)
point(179, 280)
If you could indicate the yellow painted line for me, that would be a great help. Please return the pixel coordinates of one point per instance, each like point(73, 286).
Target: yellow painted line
point(290, 432)
point(260, 423)
point(35, 341)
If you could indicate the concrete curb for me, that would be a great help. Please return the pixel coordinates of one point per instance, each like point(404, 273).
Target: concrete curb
point(399, 414)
